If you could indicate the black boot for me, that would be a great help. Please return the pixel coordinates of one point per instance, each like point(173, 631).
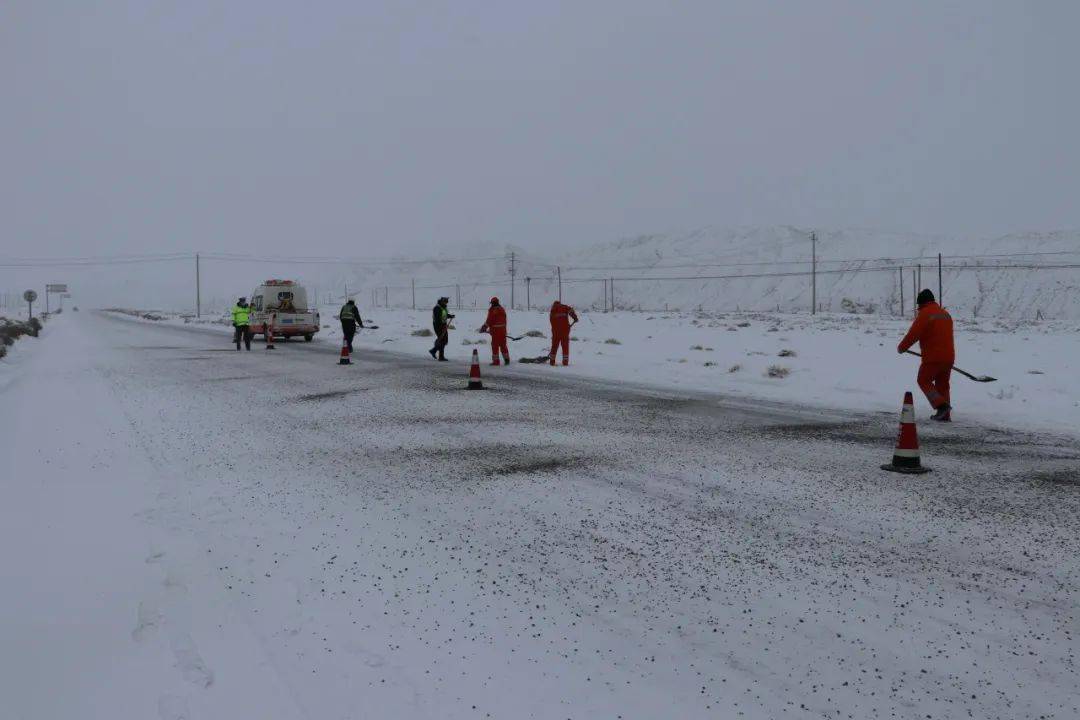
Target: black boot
point(432, 353)
point(943, 414)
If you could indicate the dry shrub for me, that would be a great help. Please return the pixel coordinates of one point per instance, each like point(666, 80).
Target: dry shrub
point(778, 371)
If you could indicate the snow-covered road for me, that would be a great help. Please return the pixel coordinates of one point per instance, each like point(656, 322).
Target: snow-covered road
point(192, 532)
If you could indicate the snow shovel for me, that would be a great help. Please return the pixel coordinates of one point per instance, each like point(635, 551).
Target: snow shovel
point(976, 378)
point(508, 337)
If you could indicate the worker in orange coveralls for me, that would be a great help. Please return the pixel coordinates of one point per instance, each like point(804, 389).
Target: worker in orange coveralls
point(496, 325)
point(561, 315)
point(933, 330)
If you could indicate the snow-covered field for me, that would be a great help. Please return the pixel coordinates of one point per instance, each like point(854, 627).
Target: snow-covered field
point(191, 532)
point(839, 361)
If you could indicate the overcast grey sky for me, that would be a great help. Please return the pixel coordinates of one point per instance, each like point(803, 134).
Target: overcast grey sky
point(378, 127)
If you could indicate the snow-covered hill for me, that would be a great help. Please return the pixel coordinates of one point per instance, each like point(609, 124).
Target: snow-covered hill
point(759, 268)
point(857, 270)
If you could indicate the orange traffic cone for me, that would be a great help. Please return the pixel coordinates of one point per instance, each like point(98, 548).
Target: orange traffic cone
point(906, 455)
point(474, 373)
point(269, 335)
point(344, 360)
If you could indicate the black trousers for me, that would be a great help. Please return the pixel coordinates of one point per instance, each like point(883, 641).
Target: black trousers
point(441, 340)
point(348, 328)
point(242, 331)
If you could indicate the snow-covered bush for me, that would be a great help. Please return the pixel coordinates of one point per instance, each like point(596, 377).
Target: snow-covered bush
point(786, 353)
point(422, 332)
point(777, 371)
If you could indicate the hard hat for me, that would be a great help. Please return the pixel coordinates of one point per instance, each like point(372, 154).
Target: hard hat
point(242, 299)
point(494, 301)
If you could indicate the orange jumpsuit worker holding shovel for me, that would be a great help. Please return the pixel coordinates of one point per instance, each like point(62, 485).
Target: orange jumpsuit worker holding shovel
point(496, 325)
point(560, 330)
point(933, 329)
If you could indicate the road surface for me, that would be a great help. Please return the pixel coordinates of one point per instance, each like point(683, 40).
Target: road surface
point(193, 532)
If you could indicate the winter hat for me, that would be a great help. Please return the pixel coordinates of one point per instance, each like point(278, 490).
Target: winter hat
point(925, 297)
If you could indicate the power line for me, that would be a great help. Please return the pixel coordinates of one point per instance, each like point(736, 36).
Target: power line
point(88, 262)
point(326, 260)
point(707, 262)
point(804, 273)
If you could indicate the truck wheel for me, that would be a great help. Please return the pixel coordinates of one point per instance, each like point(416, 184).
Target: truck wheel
point(308, 338)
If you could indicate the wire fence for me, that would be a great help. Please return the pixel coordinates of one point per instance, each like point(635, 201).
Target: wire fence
point(1025, 284)
point(990, 287)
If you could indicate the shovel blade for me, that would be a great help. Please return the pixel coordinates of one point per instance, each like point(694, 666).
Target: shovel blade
point(986, 378)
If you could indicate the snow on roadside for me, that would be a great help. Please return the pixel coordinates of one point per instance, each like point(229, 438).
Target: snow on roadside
point(846, 362)
point(836, 361)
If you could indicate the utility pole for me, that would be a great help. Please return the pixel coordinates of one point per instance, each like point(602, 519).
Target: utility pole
point(198, 289)
point(605, 295)
point(813, 273)
point(558, 270)
point(513, 271)
point(414, 293)
point(940, 294)
point(611, 286)
point(457, 293)
point(914, 291)
point(919, 266)
point(528, 297)
point(901, 269)
point(346, 290)
point(386, 296)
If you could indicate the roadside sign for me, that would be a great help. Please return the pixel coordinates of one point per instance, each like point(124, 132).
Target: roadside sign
point(30, 296)
point(58, 288)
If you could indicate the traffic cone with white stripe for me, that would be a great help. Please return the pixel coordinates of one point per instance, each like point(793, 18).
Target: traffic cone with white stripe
point(906, 455)
point(344, 359)
point(474, 372)
point(268, 333)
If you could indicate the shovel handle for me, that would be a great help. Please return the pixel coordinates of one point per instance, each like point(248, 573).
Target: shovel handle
point(962, 372)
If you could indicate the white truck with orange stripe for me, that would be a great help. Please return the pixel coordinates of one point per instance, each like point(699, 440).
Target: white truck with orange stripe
point(283, 304)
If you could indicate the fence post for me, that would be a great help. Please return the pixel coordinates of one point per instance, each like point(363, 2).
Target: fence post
point(198, 290)
point(605, 295)
point(940, 292)
point(611, 284)
point(528, 297)
point(414, 293)
point(914, 291)
point(558, 270)
point(901, 269)
point(813, 273)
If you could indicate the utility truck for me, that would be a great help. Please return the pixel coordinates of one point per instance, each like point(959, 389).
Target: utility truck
point(283, 304)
